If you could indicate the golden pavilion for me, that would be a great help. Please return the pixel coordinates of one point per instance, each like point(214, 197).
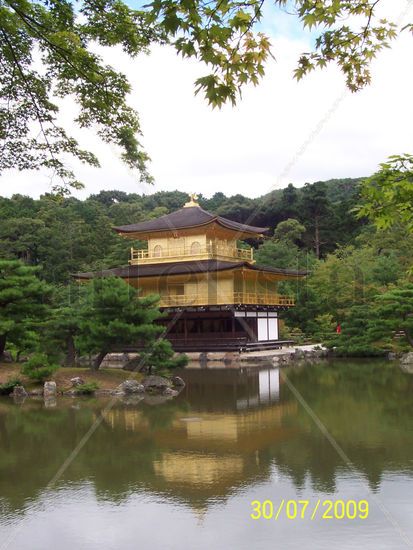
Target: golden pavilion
point(213, 294)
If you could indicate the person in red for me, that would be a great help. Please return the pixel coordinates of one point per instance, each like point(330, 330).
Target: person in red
point(338, 328)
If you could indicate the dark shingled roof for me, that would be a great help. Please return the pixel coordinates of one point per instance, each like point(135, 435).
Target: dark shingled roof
point(181, 268)
point(186, 217)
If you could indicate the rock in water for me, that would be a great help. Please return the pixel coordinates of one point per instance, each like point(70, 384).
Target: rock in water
point(131, 386)
point(50, 402)
point(170, 392)
point(407, 358)
point(408, 367)
point(178, 382)
point(19, 391)
point(49, 389)
point(38, 392)
point(76, 381)
point(158, 383)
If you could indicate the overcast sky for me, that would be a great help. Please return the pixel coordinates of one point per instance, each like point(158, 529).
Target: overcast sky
point(282, 131)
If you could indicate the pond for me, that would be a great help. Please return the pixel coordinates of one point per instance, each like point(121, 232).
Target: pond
point(182, 474)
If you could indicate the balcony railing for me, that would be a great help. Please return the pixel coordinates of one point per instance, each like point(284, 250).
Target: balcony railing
point(235, 298)
point(210, 251)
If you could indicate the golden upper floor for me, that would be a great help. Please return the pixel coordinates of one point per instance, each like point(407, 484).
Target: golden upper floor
point(190, 247)
point(190, 233)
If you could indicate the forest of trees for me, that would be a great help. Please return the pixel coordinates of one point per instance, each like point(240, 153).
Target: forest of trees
point(355, 270)
point(69, 235)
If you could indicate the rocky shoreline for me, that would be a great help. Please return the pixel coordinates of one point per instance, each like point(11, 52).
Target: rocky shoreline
point(150, 386)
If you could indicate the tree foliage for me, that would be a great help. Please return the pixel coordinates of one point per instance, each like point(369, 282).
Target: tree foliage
point(282, 249)
point(71, 235)
point(290, 231)
point(22, 301)
point(395, 311)
point(113, 315)
point(48, 52)
point(38, 367)
point(346, 283)
point(387, 196)
point(374, 328)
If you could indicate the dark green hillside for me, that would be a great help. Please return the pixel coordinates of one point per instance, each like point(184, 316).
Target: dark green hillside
point(71, 235)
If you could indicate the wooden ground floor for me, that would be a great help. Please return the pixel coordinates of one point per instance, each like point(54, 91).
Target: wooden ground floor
point(216, 329)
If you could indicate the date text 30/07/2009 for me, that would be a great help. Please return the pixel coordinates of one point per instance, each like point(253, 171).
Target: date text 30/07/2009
point(304, 509)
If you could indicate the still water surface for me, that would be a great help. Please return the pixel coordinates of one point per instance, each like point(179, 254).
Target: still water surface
point(182, 474)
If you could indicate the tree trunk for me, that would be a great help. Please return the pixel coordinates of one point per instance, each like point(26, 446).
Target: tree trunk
point(317, 238)
point(70, 352)
point(3, 338)
point(98, 360)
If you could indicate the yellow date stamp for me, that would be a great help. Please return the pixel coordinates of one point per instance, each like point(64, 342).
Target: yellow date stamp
point(306, 509)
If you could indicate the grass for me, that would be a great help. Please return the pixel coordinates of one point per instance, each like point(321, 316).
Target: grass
point(105, 378)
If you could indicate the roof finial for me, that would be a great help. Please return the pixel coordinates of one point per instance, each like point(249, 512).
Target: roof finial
point(193, 197)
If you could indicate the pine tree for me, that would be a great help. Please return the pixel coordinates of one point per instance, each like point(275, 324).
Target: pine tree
point(22, 301)
point(316, 207)
point(355, 338)
point(289, 202)
point(63, 324)
point(395, 310)
point(370, 329)
point(114, 315)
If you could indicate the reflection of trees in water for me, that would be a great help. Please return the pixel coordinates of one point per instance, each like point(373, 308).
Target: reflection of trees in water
point(188, 450)
point(366, 407)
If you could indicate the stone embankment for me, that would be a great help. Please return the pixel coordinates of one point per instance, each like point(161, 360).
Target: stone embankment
point(130, 361)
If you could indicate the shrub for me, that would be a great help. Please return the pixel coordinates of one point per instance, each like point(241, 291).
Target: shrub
point(38, 367)
point(88, 388)
point(294, 333)
point(8, 387)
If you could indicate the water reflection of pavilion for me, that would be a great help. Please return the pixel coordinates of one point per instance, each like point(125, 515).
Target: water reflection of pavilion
point(241, 388)
point(221, 442)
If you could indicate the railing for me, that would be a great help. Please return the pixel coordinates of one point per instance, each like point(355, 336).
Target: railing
point(247, 298)
point(203, 252)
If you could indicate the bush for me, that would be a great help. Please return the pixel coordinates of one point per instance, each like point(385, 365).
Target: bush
point(159, 358)
point(294, 333)
point(8, 387)
point(88, 388)
point(38, 367)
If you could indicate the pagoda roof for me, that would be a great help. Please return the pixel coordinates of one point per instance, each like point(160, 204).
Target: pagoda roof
point(186, 218)
point(183, 268)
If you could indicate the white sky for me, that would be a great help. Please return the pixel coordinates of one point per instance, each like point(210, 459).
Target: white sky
point(282, 131)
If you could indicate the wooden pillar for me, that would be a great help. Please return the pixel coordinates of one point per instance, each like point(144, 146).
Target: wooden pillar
point(185, 330)
point(243, 284)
